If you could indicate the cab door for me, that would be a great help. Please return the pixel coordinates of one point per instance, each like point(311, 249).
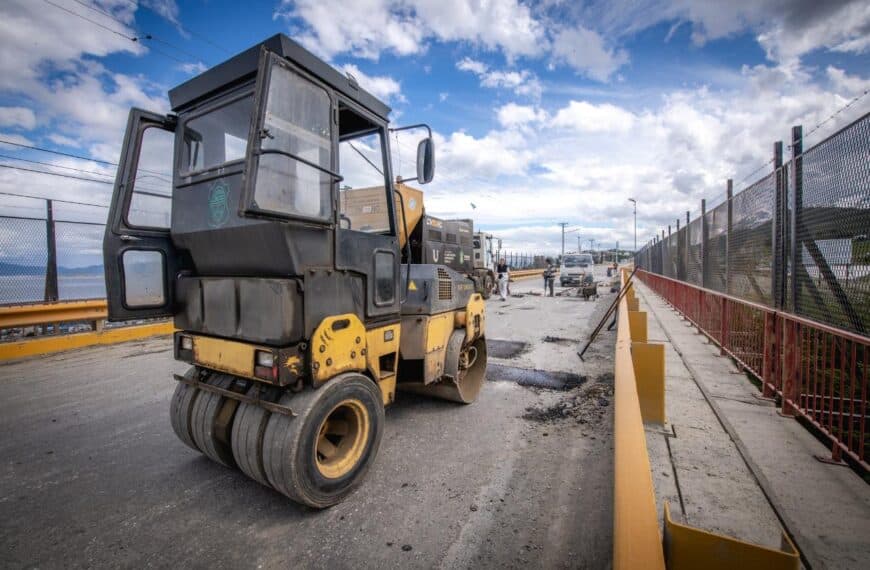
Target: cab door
point(139, 259)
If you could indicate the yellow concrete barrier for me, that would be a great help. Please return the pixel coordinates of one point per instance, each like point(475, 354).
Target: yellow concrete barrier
point(688, 548)
point(649, 371)
point(58, 343)
point(636, 539)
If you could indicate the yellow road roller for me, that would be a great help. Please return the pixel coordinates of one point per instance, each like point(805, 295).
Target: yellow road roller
point(263, 216)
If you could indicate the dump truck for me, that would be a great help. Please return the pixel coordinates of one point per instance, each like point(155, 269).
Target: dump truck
point(432, 240)
point(300, 309)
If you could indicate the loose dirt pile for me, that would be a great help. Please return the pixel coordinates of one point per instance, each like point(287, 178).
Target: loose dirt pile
point(584, 405)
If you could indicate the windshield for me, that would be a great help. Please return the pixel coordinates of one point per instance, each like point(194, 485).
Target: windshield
point(218, 136)
point(577, 260)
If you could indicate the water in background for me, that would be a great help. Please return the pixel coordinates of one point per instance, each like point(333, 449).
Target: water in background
point(31, 288)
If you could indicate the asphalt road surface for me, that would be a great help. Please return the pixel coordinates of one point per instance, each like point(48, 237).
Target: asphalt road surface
point(93, 475)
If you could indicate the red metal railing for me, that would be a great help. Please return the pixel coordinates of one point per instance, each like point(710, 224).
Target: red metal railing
point(819, 372)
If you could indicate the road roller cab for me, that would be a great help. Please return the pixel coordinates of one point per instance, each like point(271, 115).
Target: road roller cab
point(262, 217)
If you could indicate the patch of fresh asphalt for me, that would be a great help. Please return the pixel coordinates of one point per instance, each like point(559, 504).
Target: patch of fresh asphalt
point(92, 474)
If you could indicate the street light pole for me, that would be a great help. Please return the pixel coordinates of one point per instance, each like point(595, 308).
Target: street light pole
point(633, 201)
point(563, 224)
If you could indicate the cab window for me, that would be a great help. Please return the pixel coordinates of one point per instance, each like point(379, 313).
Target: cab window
point(363, 191)
point(218, 136)
point(293, 174)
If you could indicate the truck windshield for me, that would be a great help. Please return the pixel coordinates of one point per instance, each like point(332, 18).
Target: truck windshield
point(577, 260)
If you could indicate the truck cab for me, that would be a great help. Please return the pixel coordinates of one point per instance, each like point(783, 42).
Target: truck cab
point(574, 267)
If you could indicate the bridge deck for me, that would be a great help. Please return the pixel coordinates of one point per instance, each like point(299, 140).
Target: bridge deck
point(95, 476)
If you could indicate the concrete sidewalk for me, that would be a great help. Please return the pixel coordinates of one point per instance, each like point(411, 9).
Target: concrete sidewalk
point(728, 463)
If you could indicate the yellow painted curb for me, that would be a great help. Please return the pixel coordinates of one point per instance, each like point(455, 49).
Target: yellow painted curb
point(60, 343)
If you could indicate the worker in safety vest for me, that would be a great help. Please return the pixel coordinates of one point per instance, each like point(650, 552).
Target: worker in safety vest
point(549, 276)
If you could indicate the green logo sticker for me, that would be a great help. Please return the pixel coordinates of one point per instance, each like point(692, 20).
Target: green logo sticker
point(218, 204)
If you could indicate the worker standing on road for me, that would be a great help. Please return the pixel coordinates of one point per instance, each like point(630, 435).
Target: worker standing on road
point(549, 276)
point(503, 278)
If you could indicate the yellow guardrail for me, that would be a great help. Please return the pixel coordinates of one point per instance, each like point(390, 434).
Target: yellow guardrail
point(48, 313)
point(521, 273)
point(639, 395)
point(93, 311)
point(636, 539)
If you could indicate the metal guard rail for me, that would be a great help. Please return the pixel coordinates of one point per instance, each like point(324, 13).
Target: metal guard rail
point(48, 313)
point(819, 372)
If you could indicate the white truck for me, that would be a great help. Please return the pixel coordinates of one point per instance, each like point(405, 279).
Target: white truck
point(574, 267)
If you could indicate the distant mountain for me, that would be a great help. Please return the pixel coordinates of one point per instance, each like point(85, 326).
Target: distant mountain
point(14, 269)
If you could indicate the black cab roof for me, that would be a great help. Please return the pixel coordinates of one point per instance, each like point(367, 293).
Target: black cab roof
point(243, 66)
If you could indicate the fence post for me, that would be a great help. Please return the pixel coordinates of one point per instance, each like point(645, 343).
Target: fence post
point(703, 243)
point(51, 289)
point(776, 276)
point(797, 204)
point(688, 245)
point(729, 194)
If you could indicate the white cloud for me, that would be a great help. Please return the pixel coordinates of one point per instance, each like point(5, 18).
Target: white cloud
point(367, 28)
point(585, 51)
point(13, 138)
point(513, 115)
point(583, 116)
point(381, 86)
point(787, 29)
point(20, 117)
point(443, 96)
point(193, 68)
point(522, 82)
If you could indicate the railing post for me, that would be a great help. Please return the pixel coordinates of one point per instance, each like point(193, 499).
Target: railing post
point(790, 368)
point(51, 288)
point(797, 203)
point(729, 194)
point(724, 323)
point(770, 355)
point(776, 275)
point(703, 243)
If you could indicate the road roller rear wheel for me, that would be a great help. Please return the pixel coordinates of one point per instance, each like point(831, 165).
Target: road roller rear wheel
point(212, 420)
point(181, 409)
point(321, 455)
point(464, 372)
point(249, 425)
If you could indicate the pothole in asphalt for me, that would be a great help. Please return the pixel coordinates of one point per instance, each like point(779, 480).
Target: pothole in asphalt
point(505, 348)
point(585, 406)
point(533, 378)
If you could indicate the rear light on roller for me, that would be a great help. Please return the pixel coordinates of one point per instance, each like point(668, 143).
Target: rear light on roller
point(265, 366)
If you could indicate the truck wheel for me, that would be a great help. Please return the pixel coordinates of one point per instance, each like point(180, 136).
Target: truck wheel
point(488, 285)
point(249, 425)
point(212, 419)
point(181, 409)
point(321, 455)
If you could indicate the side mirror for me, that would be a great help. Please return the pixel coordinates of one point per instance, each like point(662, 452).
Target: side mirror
point(426, 161)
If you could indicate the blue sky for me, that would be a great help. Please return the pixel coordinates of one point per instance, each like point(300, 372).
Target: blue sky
point(544, 111)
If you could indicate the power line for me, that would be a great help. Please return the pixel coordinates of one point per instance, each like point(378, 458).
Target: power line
point(182, 28)
point(53, 200)
point(61, 153)
point(140, 35)
point(85, 18)
point(80, 157)
point(134, 39)
point(57, 174)
point(56, 165)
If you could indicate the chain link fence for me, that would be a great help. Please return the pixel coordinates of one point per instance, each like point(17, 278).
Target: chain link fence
point(797, 240)
point(51, 254)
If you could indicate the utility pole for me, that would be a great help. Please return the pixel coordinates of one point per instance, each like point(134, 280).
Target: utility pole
point(634, 202)
point(563, 224)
